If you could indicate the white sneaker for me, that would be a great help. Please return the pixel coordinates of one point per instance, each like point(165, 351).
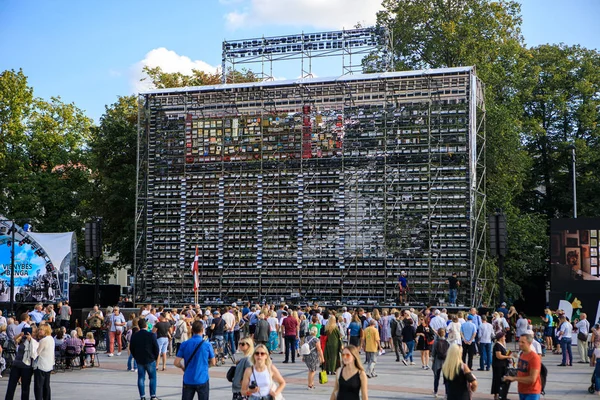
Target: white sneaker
point(119, 353)
point(404, 362)
point(412, 363)
point(110, 354)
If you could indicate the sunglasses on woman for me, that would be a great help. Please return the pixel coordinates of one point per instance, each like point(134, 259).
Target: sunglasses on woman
point(260, 353)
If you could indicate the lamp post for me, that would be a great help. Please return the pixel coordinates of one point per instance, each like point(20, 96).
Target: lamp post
point(12, 269)
point(572, 147)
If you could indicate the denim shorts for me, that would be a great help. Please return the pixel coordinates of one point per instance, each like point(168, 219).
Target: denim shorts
point(163, 344)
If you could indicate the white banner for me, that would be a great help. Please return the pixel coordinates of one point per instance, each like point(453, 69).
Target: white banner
point(567, 308)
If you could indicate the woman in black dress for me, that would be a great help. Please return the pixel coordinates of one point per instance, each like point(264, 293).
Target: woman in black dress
point(459, 380)
point(352, 380)
point(500, 360)
point(425, 338)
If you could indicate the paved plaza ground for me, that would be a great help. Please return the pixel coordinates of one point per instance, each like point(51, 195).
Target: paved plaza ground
point(394, 381)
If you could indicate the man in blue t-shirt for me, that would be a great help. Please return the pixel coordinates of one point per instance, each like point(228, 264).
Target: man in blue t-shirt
point(197, 355)
point(402, 287)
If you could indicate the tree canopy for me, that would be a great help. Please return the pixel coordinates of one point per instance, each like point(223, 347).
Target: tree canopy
point(539, 101)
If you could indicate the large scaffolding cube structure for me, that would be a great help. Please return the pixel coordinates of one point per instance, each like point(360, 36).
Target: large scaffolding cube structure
point(319, 188)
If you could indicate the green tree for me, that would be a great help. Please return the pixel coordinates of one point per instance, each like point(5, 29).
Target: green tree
point(43, 171)
point(162, 80)
point(449, 33)
point(113, 157)
point(561, 98)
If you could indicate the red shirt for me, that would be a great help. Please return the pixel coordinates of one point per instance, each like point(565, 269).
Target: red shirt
point(527, 362)
point(290, 326)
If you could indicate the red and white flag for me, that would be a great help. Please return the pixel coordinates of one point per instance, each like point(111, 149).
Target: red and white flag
point(195, 271)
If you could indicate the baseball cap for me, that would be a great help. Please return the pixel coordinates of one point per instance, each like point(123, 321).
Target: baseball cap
point(403, 273)
point(503, 304)
point(233, 304)
point(216, 313)
point(470, 317)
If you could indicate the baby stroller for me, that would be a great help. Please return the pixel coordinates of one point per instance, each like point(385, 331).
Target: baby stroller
point(592, 387)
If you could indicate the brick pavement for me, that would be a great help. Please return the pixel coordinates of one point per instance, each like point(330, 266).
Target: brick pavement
point(394, 381)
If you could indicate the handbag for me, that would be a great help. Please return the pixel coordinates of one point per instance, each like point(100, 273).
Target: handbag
point(582, 336)
point(305, 349)
point(323, 377)
point(231, 373)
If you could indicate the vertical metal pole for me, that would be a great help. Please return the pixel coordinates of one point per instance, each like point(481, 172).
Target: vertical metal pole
point(97, 287)
point(12, 270)
point(574, 184)
point(501, 283)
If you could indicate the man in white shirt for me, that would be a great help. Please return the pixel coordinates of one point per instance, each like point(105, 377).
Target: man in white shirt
point(152, 318)
point(564, 337)
point(485, 344)
point(229, 319)
point(583, 330)
point(25, 323)
point(436, 322)
point(444, 314)
point(537, 347)
point(347, 316)
point(146, 311)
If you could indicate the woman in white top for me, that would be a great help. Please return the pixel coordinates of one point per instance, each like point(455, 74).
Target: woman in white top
point(273, 332)
point(453, 330)
point(258, 381)
point(44, 362)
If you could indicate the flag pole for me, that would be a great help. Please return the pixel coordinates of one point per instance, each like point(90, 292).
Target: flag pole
point(195, 276)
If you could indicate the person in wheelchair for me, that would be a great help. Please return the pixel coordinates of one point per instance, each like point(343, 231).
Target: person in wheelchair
point(72, 348)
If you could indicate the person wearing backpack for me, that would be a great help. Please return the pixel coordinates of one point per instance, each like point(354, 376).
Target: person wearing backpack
point(181, 331)
point(529, 371)
point(438, 353)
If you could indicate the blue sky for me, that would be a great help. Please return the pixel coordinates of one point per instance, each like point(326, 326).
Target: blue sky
point(89, 52)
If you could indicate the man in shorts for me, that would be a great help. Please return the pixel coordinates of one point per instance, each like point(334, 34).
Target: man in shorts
point(163, 334)
point(402, 287)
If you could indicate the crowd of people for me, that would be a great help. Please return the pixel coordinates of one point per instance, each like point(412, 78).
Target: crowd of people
point(329, 341)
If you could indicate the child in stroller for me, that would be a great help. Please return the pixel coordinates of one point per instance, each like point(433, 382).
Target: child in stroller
point(539, 337)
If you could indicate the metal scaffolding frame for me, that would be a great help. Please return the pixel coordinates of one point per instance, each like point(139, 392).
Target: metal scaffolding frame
point(320, 188)
point(345, 44)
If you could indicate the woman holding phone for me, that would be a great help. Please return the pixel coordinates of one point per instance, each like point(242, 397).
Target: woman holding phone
point(259, 379)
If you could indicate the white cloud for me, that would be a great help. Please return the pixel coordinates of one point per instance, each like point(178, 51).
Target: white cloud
point(113, 73)
point(321, 14)
point(169, 61)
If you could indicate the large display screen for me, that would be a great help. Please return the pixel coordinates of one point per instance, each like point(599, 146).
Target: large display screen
point(575, 243)
point(42, 264)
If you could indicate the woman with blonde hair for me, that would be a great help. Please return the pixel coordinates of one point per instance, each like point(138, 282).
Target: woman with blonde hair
point(273, 331)
point(351, 383)
point(259, 379)
point(333, 346)
point(246, 346)
point(458, 379)
point(45, 362)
